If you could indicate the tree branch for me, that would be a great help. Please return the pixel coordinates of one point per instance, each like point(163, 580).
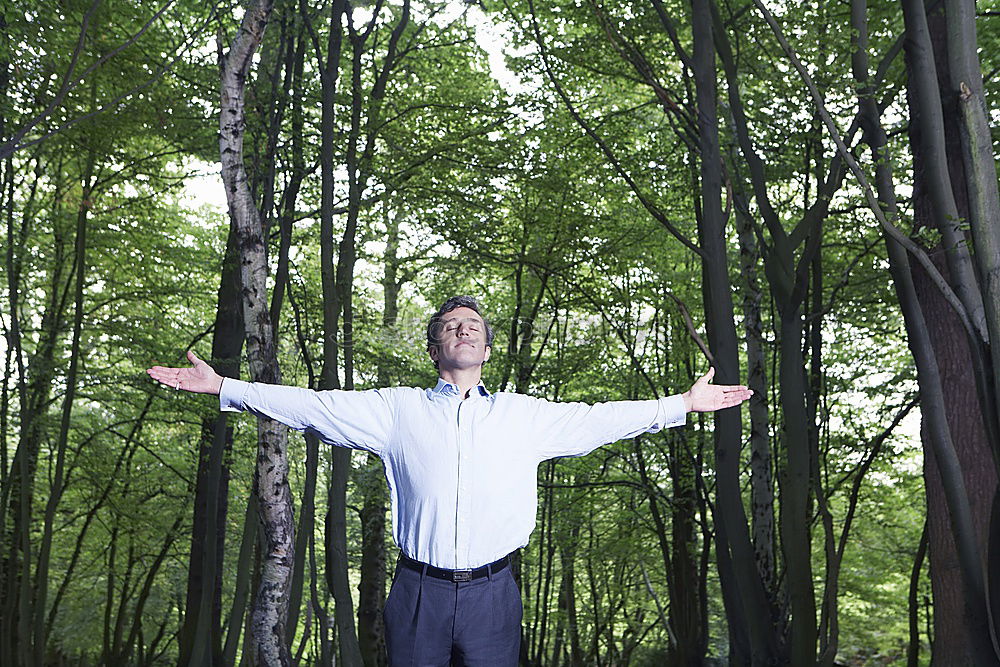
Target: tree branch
point(888, 225)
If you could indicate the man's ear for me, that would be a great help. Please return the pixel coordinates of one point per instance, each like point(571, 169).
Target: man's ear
point(432, 352)
point(486, 357)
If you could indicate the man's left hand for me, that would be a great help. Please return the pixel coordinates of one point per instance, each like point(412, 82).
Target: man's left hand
point(705, 397)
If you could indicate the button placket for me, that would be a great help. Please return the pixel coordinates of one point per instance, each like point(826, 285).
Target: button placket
point(459, 527)
point(463, 507)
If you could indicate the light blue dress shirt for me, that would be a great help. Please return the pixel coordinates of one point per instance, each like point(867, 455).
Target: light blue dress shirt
point(461, 473)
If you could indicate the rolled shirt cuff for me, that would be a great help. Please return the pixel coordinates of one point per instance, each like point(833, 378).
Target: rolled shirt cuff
point(231, 394)
point(673, 412)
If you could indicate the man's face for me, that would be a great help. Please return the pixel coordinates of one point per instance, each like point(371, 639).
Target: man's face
point(461, 340)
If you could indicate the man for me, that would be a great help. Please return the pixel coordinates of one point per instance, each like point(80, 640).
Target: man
point(461, 467)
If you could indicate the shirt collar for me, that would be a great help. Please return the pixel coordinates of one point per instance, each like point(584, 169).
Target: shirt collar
point(448, 389)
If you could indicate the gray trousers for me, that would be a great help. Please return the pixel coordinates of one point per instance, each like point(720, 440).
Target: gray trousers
point(436, 623)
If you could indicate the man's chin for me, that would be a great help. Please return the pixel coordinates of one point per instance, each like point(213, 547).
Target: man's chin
point(463, 364)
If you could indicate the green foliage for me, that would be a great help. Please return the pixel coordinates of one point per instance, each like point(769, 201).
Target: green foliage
point(494, 189)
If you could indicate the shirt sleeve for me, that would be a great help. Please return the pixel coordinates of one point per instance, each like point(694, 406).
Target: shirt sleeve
point(354, 419)
point(575, 429)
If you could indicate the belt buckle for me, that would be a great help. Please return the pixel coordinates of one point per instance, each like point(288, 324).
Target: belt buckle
point(458, 576)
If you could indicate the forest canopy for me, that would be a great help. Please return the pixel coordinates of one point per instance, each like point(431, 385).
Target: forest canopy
point(802, 195)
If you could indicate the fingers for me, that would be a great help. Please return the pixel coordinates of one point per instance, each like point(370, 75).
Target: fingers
point(159, 373)
point(737, 393)
point(729, 396)
point(736, 399)
point(705, 397)
point(198, 378)
point(174, 377)
point(164, 374)
point(167, 376)
point(735, 396)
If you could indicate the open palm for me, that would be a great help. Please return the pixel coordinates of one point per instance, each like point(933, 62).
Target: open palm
point(200, 378)
point(705, 397)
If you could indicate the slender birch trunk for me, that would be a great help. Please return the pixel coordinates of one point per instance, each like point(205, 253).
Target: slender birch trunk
point(270, 609)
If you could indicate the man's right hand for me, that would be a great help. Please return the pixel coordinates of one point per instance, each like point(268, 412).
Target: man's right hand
point(200, 378)
point(705, 397)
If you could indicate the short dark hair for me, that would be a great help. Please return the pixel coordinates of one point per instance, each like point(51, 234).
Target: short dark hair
point(433, 327)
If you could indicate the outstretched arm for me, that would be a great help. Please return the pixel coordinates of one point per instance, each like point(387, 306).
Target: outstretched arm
point(574, 429)
point(356, 419)
point(705, 397)
point(200, 378)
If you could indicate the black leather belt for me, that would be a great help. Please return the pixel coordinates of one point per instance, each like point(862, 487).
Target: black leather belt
point(455, 575)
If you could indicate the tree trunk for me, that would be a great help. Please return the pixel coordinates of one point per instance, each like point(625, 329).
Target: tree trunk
point(689, 641)
point(958, 638)
point(937, 437)
point(289, 197)
point(966, 83)
point(336, 519)
point(978, 157)
point(746, 603)
point(761, 481)
point(371, 590)
point(200, 636)
point(913, 604)
point(960, 622)
point(294, 63)
point(358, 166)
point(39, 599)
point(269, 641)
point(795, 489)
point(34, 389)
point(244, 567)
